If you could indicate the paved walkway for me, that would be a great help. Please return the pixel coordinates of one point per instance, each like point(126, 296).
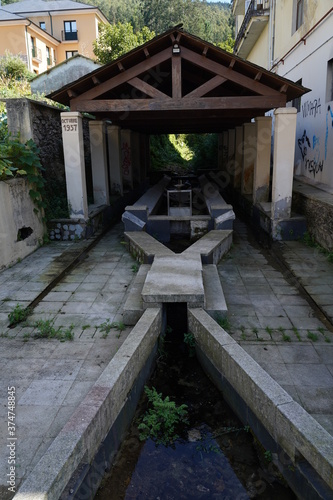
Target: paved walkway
point(274, 322)
point(267, 315)
point(52, 377)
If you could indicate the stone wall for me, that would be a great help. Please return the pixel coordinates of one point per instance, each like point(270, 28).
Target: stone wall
point(21, 229)
point(319, 217)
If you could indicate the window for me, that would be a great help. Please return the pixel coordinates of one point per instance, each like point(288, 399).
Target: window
point(71, 53)
point(296, 103)
point(70, 31)
point(329, 85)
point(299, 14)
point(48, 56)
point(42, 25)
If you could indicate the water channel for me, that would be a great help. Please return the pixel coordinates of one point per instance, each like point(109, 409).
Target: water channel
point(215, 457)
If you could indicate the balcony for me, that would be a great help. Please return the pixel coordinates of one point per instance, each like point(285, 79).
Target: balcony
point(255, 20)
point(69, 36)
point(36, 53)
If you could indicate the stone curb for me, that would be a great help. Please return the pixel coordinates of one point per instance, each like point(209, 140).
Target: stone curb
point(82, 435)
point(291, 427)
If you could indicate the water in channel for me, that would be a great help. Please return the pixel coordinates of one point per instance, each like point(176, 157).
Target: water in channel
point(215, 457)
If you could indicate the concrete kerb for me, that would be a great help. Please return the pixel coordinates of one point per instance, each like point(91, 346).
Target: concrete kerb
point(291, 427)
point(82, 435)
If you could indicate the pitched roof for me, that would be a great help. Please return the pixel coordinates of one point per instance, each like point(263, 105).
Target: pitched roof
point(201, 88)
point(30, 6)
point(9, 16)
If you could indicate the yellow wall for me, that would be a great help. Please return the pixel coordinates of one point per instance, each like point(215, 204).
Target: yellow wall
point(86, 25)
point(260, 52)
point(12, 39)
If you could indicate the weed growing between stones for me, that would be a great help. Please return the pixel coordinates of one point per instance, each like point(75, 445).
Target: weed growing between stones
point(189, 340)
point(46, 330)
point(224, 323)
point(324, 334)
point(18, 314)
point(107, 326)
point(161, 420)
point(312, 336)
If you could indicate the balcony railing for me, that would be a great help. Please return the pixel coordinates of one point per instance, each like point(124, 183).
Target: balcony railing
point(69, 35)
point(36, 53)
point(256, 8)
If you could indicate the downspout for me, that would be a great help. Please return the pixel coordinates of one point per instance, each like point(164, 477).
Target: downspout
point(272, 55)
point(51, 24)
point(27, 45)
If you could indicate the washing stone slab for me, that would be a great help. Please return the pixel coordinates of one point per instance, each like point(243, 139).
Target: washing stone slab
point(215, 303)
point(174, 279)
point(133, 308)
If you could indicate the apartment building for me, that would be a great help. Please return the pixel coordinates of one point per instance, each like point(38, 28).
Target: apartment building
point(45, 33)
point(294, 38)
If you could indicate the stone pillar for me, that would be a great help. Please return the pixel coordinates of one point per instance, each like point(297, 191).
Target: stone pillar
point(126, 158)
point(72, 138)
point(283, 161)
point(115, 171)
point(262, 160)
point(99, 166)
point(225, 138)
point(136, 157)
point(249, 154)
point(238, 157)
point(231, 155)
point(220, 151)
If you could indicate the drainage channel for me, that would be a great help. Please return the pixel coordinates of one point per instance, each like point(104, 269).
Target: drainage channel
point(214, 457)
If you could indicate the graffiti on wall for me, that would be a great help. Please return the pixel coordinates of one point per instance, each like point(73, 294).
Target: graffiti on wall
point(311, 154)
point(311, 108)
point(126, 156)
point(329, 118)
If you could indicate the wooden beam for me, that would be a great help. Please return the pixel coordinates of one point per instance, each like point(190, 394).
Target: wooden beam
point(206, 87)
point(147, 89)
point(205, 50)
point(176, 77)
point(232, 63)
point(120, 67)
point(190, 104)
point(284, 88)
point(146, 51)
point(127, 75)
point(258, 76)
point(71, 93)
point(95, 80)
point(227, 73)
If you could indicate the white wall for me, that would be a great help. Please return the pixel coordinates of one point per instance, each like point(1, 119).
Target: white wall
point(314, 135)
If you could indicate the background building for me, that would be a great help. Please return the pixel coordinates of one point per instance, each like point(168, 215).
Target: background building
point(294, 38)
point(47, 33)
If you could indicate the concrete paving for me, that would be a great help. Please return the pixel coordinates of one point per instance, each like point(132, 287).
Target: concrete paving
point(275, 323)
point(266, 314)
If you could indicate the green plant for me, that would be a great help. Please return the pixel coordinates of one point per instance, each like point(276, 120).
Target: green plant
point(46, 330)
point(21, 159)
point(312, 336)
point(243, 336)
point(286, 338)
point(269, 330)
point(224, 322)
point(18, 314)
point(162, 419)
point(135, 268)
point(324, 334)
point(268, 456)
point(85, 327)
point(189, 340)
point(296, 332)
point(107, 326)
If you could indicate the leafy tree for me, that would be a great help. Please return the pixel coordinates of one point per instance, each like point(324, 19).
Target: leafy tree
point(115, 40)
point(12, 66)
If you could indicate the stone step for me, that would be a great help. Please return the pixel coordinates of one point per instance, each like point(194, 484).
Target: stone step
point(133, 308)
point(144, 247)
point(215, 303)
point(212, 246)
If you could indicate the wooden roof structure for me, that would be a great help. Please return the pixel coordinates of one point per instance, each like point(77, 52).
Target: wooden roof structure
point(177, 83)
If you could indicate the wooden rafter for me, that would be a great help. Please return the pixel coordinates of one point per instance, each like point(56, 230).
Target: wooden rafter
point(206, 87)
point(126, 75)
point(176, 77)
point(147, 89)
point(178, 104)
point(227, 73)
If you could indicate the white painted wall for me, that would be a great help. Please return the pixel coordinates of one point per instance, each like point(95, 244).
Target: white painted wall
point(314, 134)
point(16, 212)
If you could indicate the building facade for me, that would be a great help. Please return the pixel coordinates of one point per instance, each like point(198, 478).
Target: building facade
point(45, 33)
point(294, 38)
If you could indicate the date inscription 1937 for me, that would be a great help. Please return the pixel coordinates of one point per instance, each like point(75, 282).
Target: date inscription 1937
point(69, 124)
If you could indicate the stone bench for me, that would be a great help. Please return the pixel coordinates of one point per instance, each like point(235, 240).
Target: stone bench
point(135, 216)
point(133, 308)
point(144, 247)
point(212, 246)
point(215, 303)
point(219, 210)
